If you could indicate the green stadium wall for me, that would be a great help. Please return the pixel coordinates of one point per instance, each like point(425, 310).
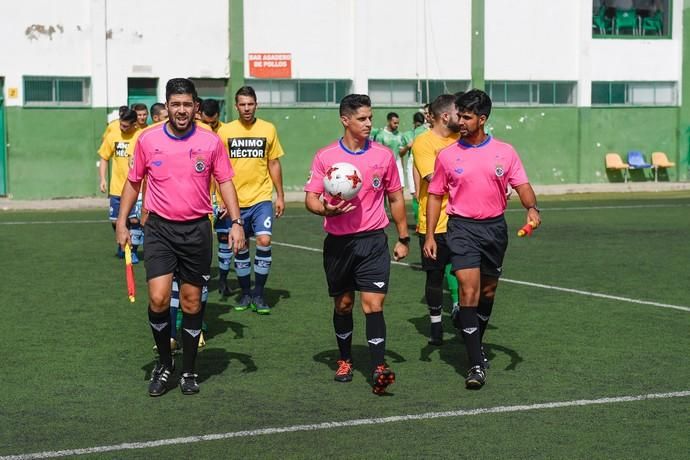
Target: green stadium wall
point(52, 152)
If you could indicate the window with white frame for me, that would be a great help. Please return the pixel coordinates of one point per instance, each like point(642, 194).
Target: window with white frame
point(300, 92)
point(663, 93)
point(527, 93)
point(57, 91)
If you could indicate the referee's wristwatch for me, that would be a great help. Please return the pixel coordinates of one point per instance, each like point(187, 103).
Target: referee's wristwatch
point(404, 240)
point(238, 221)
point(535, 207)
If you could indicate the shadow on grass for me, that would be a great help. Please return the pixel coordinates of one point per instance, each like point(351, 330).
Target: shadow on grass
point(209, 362)
point(453, 350)
point(218, 325)
point(361, 360)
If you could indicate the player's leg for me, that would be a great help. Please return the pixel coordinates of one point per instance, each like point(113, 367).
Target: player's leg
point(493, 251)
point(161, 326)
point(372, 275)
point(160, 264)
point(262, 224)
point(221, 227)
point(469, 280)
point(343, 326)
point(466, 260)
point(433, 290)
point(410, 183)
point(486, 305)
point(113, 211)
point(136, 231)
point(243, 267)
point(337, 263)
point(174, 308)
point(454, 290)
point(195, 253)
point(204, 326)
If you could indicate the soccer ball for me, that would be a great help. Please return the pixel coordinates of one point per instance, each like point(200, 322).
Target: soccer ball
point(342, 180)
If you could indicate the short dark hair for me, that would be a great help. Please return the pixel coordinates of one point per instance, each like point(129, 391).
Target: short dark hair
point(353, 102)
point(418, 117)
point(475, 101)
point(246, 91)
point(129, 115)
point(122, 109)
point(442, 103)
point(210, 107)
point(139, 106)
point(179, 86)
point(391, 115)
point(156, 108)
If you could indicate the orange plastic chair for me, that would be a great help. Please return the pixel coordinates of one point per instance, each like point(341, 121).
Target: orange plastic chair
point(660, 160)
point(615, 162)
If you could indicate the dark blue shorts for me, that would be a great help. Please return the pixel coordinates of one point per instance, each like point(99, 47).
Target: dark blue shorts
point(478, 244)
point(185, 248)
point(114, 210)
point(442, 253)
point(258, 220)
point(359, 262)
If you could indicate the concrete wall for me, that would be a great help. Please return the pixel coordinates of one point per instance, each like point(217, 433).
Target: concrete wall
point(53, 150)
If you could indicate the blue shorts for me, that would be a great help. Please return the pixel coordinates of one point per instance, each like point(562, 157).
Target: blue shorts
point(258, 220)
point(135, 213)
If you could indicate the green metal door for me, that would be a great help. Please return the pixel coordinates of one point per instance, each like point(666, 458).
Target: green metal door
point(3, 146)
point(146, 100)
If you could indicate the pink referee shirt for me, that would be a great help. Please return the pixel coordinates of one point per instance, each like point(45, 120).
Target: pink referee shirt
point(476, 177)
point(179, 171)
point(380, 176)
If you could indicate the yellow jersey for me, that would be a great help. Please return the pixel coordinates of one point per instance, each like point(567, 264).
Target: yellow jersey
point(120, 147)
point(112, 126)
point(250, 148)
point(425, 149)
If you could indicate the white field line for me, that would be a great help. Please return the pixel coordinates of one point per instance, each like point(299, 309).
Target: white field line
point(537, 285)
point(345, 424)
point(305, 216)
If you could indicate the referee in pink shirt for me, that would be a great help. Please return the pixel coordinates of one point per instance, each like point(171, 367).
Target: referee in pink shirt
point(355, 252)
point(178, 161)
point(475, 172)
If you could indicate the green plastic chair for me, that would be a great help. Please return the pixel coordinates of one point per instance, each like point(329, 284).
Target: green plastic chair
point(653, 24)
point(626, 19)
point(600, 22)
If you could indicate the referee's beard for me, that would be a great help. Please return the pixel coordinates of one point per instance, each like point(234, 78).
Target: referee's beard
point(180, 126)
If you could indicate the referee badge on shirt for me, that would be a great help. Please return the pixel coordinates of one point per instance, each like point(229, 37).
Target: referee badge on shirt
point(199, 165)
point(499, 171)
point(376, 182)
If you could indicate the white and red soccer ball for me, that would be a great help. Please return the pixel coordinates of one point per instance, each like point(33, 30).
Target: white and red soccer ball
point(342, 180)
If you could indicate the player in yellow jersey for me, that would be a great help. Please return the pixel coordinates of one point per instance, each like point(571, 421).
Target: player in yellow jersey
point(158, 112)
point(115, 124)
point(118, 145)
point(142, 115)
point(255, 153)
point(425, 149)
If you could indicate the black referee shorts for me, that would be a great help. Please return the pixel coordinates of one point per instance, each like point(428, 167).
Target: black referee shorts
point(185, 247)
point(359, 262)
point(478, 244)
point(442, 253)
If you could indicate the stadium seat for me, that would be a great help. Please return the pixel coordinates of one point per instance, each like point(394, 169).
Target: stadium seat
point(636, 160)
point(626, 19)
point(660, 160)
point(615, 163)
point(654, 24)
point(600, 22)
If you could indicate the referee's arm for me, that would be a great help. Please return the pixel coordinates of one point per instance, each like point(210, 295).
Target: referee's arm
point(529, 201)
point(396, 200)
